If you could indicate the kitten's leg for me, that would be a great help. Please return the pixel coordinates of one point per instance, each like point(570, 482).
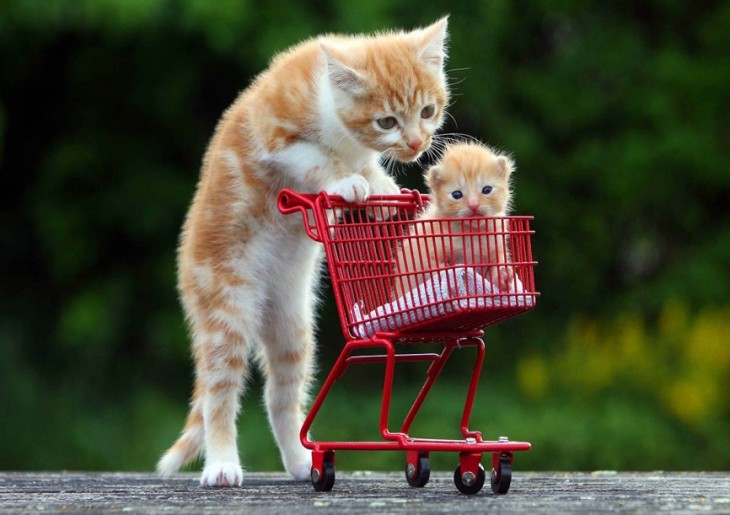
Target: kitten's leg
point(222, 343)
point(503, 274)
point(317, 169)
point(287, 348)
point(506, 278)
point(288, 365)
point(380, 182)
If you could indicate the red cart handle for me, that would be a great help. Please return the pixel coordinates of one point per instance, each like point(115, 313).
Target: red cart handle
point(290, 202)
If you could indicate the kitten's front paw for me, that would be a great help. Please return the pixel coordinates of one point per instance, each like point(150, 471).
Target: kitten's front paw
point(222, 474)
point(353, 188)
point(384, 185)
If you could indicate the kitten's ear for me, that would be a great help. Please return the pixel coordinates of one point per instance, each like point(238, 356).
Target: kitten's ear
point(432, 42)
point(433, 177)
point(506, 165)
point(341, 75)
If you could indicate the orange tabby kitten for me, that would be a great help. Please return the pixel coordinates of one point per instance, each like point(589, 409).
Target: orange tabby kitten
point(469, 181)
point(319, 118)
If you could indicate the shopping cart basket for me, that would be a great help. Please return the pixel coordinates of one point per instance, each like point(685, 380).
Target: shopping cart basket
point(447, 301)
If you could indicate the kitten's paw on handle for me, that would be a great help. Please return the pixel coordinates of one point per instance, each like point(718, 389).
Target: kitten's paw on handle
point(353, 188)
point(384, 185)
point(222, 473)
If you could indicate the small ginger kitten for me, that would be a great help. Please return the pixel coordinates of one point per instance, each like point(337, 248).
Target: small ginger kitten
point(321, 117)
point(470, 180)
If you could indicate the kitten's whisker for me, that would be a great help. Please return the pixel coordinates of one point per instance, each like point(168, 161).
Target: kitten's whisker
point(457, 137)
point(456, 124)
point(452, 81)
point(390, 162)
point(434, 154)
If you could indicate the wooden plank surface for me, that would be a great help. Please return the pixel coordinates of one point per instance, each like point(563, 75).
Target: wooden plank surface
point(365, 492)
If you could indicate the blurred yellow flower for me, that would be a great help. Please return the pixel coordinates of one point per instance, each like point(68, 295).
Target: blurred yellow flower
point(532, 376)
point(681, 362)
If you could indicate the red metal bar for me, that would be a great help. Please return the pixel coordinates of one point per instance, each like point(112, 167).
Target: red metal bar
point(388, 392)
point(474, 383)
point(422, 444)
point(381, 358)
point(469, 461)
point(430, 356)
point(431, 375)
point(290, 202)
point(334, 374)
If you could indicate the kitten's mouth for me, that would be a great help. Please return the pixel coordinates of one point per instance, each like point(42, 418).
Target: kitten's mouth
point(408, 156)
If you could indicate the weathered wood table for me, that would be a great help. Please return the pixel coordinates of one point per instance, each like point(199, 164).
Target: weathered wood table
point(365, 492)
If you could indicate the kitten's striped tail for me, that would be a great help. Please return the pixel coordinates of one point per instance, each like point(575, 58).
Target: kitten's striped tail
point(188, 446)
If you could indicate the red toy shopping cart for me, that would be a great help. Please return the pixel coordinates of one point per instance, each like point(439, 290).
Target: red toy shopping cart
point(445, 291)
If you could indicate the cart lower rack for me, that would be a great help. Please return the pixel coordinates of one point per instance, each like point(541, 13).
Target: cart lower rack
point(399, 280)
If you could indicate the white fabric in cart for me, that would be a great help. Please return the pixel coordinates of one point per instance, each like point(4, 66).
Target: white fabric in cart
point(446, 292)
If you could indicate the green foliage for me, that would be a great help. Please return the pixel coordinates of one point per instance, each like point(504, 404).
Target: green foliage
point(617, 113)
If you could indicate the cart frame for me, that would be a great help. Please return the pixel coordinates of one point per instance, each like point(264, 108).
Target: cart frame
point(322, 215)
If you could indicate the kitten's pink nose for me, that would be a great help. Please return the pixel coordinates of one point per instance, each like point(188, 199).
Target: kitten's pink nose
point(474, 206)
point(415, 143)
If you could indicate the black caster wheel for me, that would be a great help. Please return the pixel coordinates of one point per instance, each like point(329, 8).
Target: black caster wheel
point(501, 479)
point(468, 483)
point(324, 480)
point(418, 475)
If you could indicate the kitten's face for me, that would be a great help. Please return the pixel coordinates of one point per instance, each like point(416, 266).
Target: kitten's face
point(391, 89)
point(469, 181)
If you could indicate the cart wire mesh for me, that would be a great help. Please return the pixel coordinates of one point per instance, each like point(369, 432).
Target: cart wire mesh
point(397, 274)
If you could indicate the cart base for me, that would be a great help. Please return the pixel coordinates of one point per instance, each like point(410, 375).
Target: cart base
point(469, 476)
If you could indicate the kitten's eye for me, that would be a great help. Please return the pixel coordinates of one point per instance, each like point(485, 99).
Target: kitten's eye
point(387, 122)
point(457, 194)
point(487, 190)
point(427, 112)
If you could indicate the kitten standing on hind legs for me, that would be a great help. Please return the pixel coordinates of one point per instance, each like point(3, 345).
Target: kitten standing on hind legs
point(319, 118)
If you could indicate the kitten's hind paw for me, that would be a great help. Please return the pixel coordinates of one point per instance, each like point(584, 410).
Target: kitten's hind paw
point(301, 470)
point(222, 474)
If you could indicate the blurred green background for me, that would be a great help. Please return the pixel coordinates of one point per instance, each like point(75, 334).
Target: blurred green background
point(617, 113)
